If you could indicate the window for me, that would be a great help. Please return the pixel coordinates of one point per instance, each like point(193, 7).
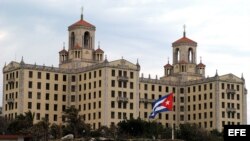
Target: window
point(56, 77)
point(56, 87)
point(112, 93)
point(38, 95)
point(55, 117)
point(211, 86)
point(131, 106)
point(131, 95)
point(64, 78)
point(113, 72)
point(145, 87)
point(94, 74)
point(55, 107)
point(55, 97)
point(64, 88)
point(112, 104)
point(112, 115)
point(29, 95)
point(46, 106)
point(39, 85)
point(30, 84)
point(159, 88)
point(39, 75)
point(64, 98)
point(113, 83)
point(100, 83)
point(47, 76)
point(100, 73)
point(38, 106)
point(131, 85)
point(47, 86)
point(30, 74)
point(73, 78)
point(72, 98)
point(47, 96)
point(153, 87)
point(29, 105)
point(131, 75)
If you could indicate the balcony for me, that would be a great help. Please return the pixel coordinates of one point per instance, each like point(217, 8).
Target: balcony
point(229, 109)
point(230, 91)
point(11, 80)
point(145, 100)
point(122, 99)
point(122, 78)
point(10, 100)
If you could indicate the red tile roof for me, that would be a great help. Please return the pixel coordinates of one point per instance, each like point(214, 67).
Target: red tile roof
point(184, 40)
point(200, 65)
point(99, 50)
point(168, 66)
point(63, 51)
point(82, 23)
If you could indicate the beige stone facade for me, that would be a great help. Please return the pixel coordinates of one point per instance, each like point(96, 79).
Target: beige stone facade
point(107, 92)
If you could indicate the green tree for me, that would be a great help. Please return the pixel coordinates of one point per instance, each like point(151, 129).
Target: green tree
point(22, 124)
point(74, 122)
point(3, 125)
point(40, 130)
point(55, 131)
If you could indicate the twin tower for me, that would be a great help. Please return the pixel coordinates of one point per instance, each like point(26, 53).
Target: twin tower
point(81, 53)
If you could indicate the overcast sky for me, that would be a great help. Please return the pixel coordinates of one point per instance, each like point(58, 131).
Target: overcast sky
point(132, 29)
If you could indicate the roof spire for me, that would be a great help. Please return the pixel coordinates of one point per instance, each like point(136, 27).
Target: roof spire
point(82, 13)
point(99, 43)
point(63, 45)
point(184, 30)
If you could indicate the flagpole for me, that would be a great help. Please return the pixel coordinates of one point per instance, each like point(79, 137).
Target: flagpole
point(172, 131)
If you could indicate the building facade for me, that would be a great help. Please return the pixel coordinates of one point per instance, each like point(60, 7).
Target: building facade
point(107, 92)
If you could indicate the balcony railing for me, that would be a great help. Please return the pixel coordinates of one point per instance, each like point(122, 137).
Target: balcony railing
point(122, 78)
point(122, 99)
point(230, 91)
point(145, 100)
point(229, 109)
point(10, 100)
point(11, 80)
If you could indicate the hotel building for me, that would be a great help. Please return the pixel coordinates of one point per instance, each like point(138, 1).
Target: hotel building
point(107, 92)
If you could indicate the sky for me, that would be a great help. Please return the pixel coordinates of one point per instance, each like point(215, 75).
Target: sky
point(132, 29)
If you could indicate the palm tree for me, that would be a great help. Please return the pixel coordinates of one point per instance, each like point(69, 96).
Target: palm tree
point(74, 121)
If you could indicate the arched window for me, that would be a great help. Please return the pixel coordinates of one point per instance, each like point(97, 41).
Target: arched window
point(72, 40)
point(177, 55)
point(86, 40)
point(190, 55)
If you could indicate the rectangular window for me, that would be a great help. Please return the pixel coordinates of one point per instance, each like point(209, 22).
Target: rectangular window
point(55, 107)
point(47, 76)
point(113, 83)
point(64, 98)
point(39, 85)
point(38, 106)
point(47, 96)
point(30, 84)
point(73, 98)
point(100, 73)
point(131, 85)
point(64, 88)
point(131, 106)
point(56, 77)
point(47, 86)
point(46, 106)
point(145, 87)
point(55, 117)
point(29, 95)
point(56, 87)
point(112, 93)
point(39, 75)
point(131, 75)
point(211, 86)
point(64, 78)
point(30, 74)
point(112, 115)
point(112, 104)
point(55, 97)
point(29, 105)
point(131, 95)
point(73, 78)
point(38, 95)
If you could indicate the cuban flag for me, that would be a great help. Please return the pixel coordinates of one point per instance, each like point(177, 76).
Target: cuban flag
point(164, 103)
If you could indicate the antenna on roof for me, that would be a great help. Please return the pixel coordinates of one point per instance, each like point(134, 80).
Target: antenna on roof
point(82, 13)
point(184, 32)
